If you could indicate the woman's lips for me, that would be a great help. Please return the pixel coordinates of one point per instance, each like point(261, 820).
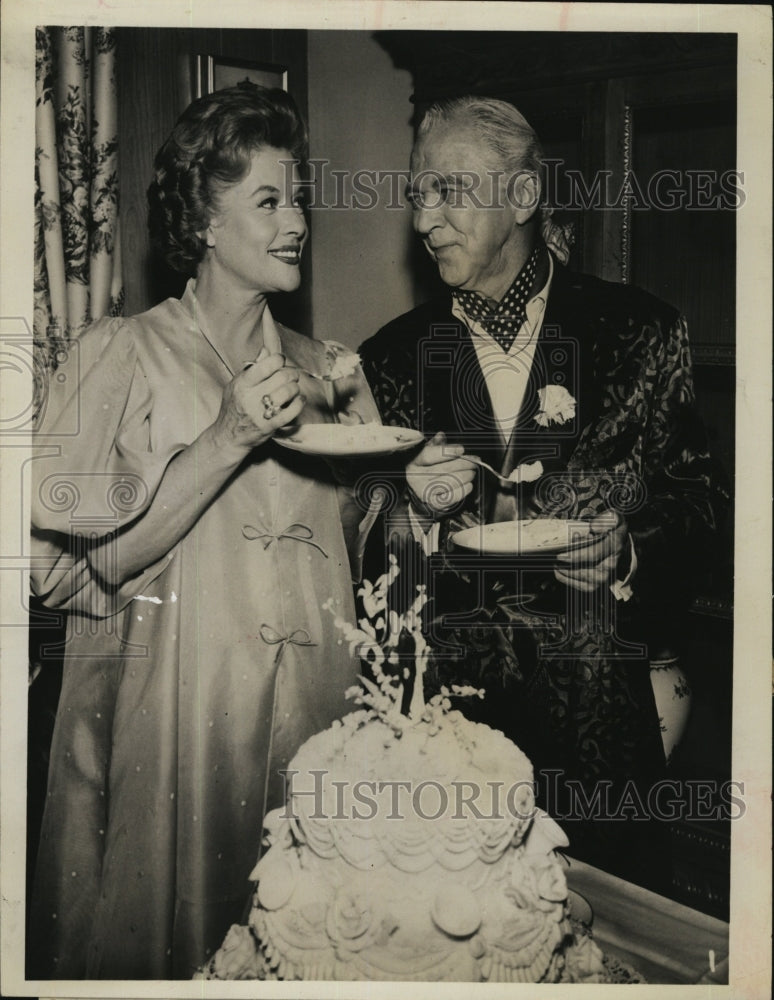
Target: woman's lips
point(288, 255)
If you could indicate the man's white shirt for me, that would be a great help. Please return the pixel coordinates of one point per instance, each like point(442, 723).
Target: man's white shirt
point(507, 375)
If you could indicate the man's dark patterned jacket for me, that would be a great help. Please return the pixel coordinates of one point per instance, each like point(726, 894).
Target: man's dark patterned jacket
point(574, 694)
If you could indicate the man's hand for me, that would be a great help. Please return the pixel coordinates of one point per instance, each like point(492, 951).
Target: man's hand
point(595, 564)
point(439, 477)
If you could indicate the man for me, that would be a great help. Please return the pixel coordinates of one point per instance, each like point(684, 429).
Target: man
point(579, 393)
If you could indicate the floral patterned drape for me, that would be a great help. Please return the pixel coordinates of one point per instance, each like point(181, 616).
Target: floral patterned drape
point(77, 248)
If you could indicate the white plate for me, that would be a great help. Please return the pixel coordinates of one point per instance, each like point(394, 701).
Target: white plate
point(541, 534)
point(350, 441)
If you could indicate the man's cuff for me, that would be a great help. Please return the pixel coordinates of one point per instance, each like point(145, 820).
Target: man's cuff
point(428, 537)
point(622, 589)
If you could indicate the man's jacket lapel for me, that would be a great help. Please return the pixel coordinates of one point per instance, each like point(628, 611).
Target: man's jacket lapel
point(563, 357)
point(454, 395)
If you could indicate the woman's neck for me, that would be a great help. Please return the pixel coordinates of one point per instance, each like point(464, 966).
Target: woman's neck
point(234, 316)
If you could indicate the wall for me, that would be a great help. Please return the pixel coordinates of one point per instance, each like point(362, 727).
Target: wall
point(359, 118)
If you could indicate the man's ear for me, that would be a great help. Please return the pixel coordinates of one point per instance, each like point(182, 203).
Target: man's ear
point(524, 190)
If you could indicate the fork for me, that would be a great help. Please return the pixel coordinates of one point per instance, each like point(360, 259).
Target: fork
point(525, 473)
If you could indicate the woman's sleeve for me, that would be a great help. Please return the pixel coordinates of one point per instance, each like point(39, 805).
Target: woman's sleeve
point(359, 503)
point(94, 471)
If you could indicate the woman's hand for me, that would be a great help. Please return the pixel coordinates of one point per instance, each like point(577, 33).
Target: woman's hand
point(195, 475)
point(263, 397)
point(439, 477)
point(595, 564)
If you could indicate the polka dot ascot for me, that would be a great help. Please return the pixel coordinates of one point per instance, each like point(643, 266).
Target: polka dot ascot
point(503, 320)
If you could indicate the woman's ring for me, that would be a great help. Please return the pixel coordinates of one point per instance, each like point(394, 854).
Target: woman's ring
point(269, 409)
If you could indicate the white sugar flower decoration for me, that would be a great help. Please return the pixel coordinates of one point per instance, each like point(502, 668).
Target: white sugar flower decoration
point(374, 595)
point(557, 406)
point(384, 636)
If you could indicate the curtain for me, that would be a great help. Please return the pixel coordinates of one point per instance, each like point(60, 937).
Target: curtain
point(77, 268)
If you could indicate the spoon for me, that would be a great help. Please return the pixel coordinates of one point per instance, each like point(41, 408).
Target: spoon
point(320, 378)
point(525, 473)
point(327, 377)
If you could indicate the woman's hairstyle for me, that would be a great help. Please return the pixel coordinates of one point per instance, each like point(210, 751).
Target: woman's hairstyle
point(211, 147)
point(497, 123)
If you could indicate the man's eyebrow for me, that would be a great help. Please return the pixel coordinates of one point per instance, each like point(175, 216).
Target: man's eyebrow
point(452, 179)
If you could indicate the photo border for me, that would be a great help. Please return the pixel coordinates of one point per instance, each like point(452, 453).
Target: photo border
point(751, 837)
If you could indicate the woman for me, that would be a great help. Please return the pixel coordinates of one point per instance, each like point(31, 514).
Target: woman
point(193, 554)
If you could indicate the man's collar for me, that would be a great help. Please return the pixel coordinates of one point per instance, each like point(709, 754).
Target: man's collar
point(533, 308)
point(537, 260)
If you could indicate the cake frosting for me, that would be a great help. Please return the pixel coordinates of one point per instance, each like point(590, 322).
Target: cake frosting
point(409, 853)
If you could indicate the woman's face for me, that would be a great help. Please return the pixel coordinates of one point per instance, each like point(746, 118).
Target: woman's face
point(258, 230)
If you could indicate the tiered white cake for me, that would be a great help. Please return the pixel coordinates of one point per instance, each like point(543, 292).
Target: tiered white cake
point(410, 847)
point(409, 854)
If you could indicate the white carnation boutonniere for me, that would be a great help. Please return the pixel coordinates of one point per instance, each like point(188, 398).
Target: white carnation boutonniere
point(557, 406)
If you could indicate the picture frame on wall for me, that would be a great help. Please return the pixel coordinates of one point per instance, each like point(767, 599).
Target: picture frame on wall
point(213, 73)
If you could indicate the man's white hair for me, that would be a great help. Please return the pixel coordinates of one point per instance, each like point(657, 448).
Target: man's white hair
point(497, 123)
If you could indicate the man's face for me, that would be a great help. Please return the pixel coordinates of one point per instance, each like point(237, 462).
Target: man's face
point(462, 212)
